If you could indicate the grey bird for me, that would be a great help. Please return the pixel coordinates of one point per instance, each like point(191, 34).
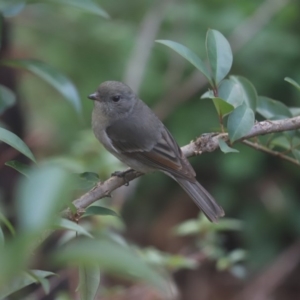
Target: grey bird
point(131, 131)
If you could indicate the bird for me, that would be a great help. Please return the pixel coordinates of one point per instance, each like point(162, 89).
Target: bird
point(132, 132)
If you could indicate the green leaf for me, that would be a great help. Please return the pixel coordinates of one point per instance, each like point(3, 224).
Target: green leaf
point(219, 55)
point(208, 95)
point(14, 141)
point(89, 279)
point(43, 281)
point(248, 91)
point(292, 82)
point(296, 154)
point(7, 98)
point(240, 122)
point(99, 210)
point(231, 92)
point(10, 8)
point(86, 5)
point(225, 148)
point(20, 167)
point(109, 256)
point(87, 180)
point(189, 227)
point(223, 108)
point(295, 111)
point(190, 56)
point(58, 81)
point(6, 222)
point(272, 109)
point(2, 238)
point(70, 225)
point(280, 141)
point(21, 281)
point(40, 198)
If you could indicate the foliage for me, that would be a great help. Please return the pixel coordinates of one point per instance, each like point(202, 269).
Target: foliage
point(50, 185)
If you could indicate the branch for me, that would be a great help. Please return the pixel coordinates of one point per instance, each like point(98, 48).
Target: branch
point(208, 142)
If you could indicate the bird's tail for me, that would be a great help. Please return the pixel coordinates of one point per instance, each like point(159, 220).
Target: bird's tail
point(202, 199)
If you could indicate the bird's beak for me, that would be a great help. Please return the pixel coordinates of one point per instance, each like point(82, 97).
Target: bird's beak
point(93, 96)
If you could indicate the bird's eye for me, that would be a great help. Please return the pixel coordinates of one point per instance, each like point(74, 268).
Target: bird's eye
point(116, 98)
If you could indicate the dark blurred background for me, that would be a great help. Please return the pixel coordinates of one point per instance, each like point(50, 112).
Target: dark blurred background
point(260, 190)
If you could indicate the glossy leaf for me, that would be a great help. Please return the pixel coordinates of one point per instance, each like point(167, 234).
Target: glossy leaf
point(86, 5)
point(89, 280)
point(23, 280)
point(58, 81)
point(20, 167)
point(231, 92)
point(295, 111)
point(293, 82)
point(99, 210)
point(240, 122)
point(109, 256)
point(188, 55)
point(225, 148)
point(223, 108)
point(7, 98)
point(272, 109)
point(40, 198)
point(69, 225)
point(14, 141)
point(87, 180)
point(208, 95)
point(219, 55)
point(248, 91)
point(280, 141)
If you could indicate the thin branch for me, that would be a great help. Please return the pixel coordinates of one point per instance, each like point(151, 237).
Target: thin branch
point(205, 143)
point(274, 153)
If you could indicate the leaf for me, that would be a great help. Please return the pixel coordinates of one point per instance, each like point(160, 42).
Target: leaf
point(209, 94)
point(2, 238)
point(292, 82)
point(10, 8)
point(295, 111)
point(89, 280)
point(109, 256)
point(87, 180)
point(20, 167)
point(219, 55)
point(223, 108)
point(272, 109)
point(190, 56)
point(280, 141)
point(248, 91)
point(40, 198)
point(87, 5)
point(231, 92)
point(14, 141)
point(58, 81)
point(99, 210)
point(70, 225)
point(6, 222)
point(21, 281)
point(240, 122)
point(44, 282)
point(7, 98)
point(296, 154)
point(224, 147)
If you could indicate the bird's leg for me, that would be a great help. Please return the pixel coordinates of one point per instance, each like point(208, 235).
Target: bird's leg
point(123, 174)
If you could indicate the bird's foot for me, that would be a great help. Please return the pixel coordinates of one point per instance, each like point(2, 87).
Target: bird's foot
point(123, 174)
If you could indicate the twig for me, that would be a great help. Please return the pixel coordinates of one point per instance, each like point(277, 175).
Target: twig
point(274, 153)
point(204, 143)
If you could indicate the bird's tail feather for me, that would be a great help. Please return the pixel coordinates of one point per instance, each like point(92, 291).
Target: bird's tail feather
point(202, 199)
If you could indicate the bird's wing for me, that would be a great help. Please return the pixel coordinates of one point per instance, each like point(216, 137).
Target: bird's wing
point(148, 141)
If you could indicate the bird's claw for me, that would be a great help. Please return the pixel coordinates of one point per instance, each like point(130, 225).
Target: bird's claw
point(122, 174)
